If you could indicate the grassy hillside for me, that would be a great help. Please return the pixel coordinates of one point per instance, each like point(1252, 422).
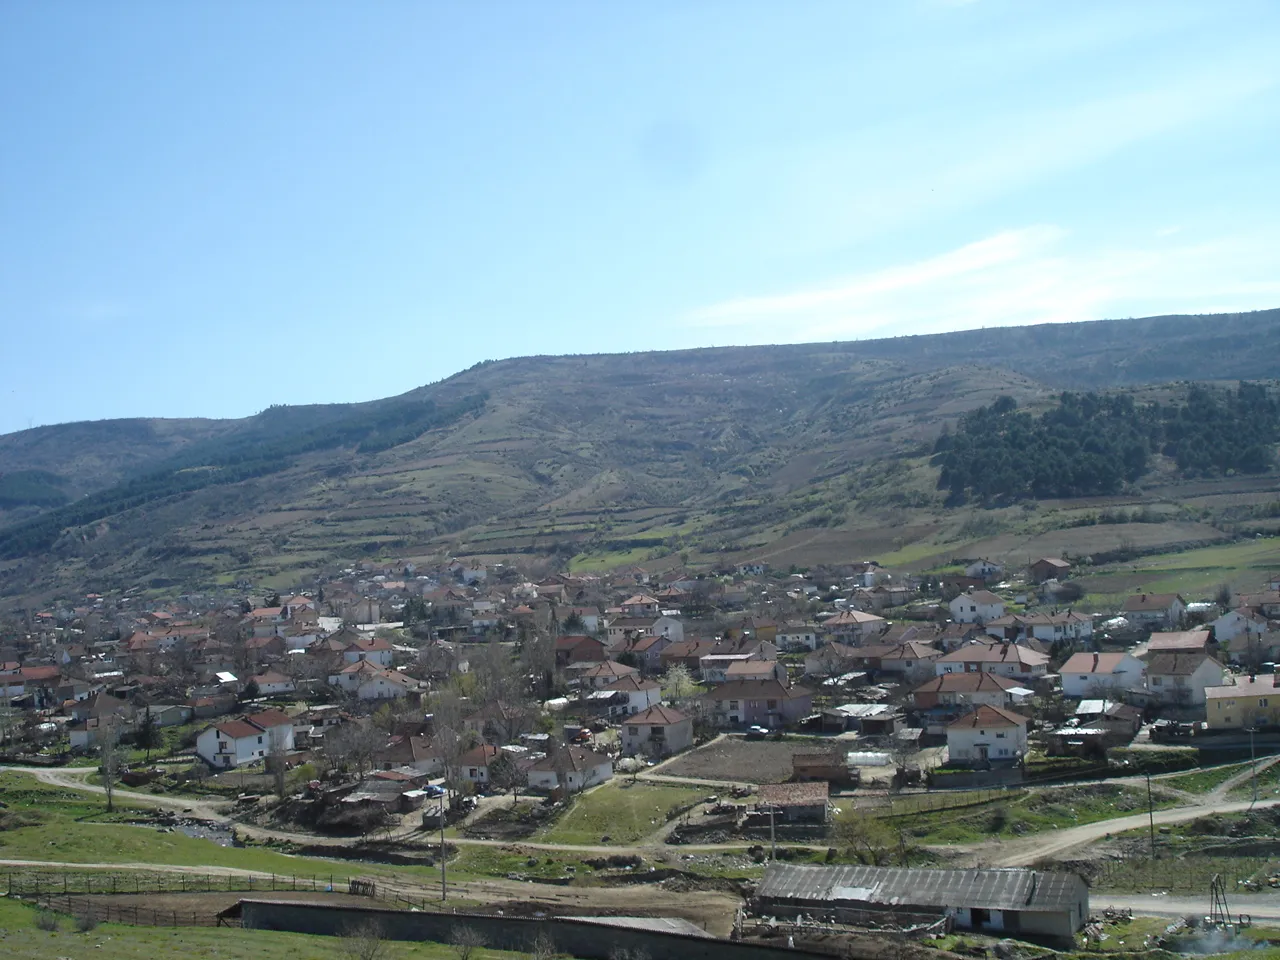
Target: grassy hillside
point(796, 454)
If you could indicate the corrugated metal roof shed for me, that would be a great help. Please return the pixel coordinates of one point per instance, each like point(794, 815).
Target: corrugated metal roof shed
point(994, 889)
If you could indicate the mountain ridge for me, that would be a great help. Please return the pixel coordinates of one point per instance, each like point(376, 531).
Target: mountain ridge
point(683, 449)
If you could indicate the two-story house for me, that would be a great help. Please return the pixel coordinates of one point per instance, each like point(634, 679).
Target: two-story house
point(1009, 659)
point(659, 732)
point(1102, 675)
point(1180, 679)
point(233, 743)
point(976, 606)
point(765, 703)
point(1242, 702)
point(989, 735)
point(1155, 610)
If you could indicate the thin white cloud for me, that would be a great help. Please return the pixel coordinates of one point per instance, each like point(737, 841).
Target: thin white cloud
point(1016, 277)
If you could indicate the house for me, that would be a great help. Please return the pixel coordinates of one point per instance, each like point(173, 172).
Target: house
point(474, 764)
point(372, 648)
point(854, 626)
point(757, 670)
point(272, 682)
point(976, 606)
point(411, 752)
point(798, 636)
point(714, 667)
point(233, 743)
point(805, 802)
point(832, 660)
point(1015, 901)
point(588, 616)
point(600, 675)
point(1180, 678)
point(1102, 674)
point(969, 690)
point(983, 569)
point(647, 651)
point(1241, 622)
point(1242, 702)
point(641, 605)
point(686, 653)
point(637, 695)
point(1049, 568)
point(767, 703)
point(1009, 659)
point(1155, 610)
point(574, 648)
point(659, 731)
point(987, 735)
point(1181, 641)
point(371, 682)
point(901, 658)
point(1048, 628)
point(571, 768)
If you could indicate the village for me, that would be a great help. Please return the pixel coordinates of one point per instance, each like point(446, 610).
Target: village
point(389, 703)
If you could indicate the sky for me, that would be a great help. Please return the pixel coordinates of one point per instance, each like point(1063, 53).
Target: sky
point(206, 209)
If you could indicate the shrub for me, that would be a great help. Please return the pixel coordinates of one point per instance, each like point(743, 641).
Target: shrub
point(86, 922)
point(47, 921)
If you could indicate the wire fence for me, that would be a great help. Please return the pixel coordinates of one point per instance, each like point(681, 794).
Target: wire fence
point(41, 884)
point(889, 805)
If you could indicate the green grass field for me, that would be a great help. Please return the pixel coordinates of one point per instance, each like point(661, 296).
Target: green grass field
point(1202, 781)
point(1028, 814)
point(624, 812)
point(23, 941)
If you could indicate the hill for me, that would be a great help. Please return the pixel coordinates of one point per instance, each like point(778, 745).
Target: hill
point(800, 454)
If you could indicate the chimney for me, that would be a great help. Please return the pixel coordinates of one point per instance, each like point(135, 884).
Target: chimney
point(1095, 663)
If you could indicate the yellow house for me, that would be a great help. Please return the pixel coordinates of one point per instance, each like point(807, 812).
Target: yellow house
point(1248, 702)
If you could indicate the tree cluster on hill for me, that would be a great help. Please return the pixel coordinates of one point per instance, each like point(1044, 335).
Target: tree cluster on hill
point(1091, 444)
point(31, 488)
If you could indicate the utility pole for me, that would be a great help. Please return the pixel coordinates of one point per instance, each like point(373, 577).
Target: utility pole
point(444, 887)
point(773, 842)
point(1151, 817)
point(1253, 766)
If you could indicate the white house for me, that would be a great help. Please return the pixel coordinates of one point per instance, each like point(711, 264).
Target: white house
point(370, 682)
point(659, 731)
point(798, 636)
point(1180, 679)
point(1098, 674)
point(235, 742)
point(983, 569)
point(474, 764)
point(1241, 622)
point(976, 606)
point(1002, 657)
point(373, 649)
point(1045, 627)
point(574, 768)
point(273, 682)
point(640, 694)
point(1155, 610)
point(987, 735)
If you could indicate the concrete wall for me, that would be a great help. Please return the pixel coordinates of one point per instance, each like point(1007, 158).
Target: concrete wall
point(586, 940)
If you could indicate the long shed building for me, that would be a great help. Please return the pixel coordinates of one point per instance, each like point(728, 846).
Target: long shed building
point(1012, 900)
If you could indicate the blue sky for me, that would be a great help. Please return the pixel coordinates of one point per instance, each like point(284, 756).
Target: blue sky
point(209, 208)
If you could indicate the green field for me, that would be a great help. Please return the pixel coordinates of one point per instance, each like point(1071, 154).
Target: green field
point(1027, 814)
point(1196, 574)
point(624, 812)
point(1202, 781)
point(23, 941)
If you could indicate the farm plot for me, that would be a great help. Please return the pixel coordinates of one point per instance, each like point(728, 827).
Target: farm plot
point(740, 761)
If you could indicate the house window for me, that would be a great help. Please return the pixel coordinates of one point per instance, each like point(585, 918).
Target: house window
point(259, 739)
point(1000, 736)
point(1262, 701)
point(1157, 681)
point(982, 733)
point(633, 731)
point(733, 704)
point(773, 704)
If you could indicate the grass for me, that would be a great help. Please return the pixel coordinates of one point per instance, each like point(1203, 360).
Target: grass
point(624, 812)
point(1268, 785)
point(1205, 780)
point(1031, 813)
point(110, 941)
point(1189, 874)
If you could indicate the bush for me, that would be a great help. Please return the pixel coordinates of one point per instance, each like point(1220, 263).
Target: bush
point(47, 921)
point(86, 922)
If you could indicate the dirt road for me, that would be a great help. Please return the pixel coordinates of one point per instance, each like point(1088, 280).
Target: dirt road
point(1259, 906)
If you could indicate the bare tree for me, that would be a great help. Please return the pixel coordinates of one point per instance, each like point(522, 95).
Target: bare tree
point(276, 759)
point(109, 738)
point(466, 941)
point(365, 941)
point(352, 744)
point(677, 683)
point(542, 948)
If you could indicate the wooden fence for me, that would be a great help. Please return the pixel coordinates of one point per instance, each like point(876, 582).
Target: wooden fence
point(28, 884)
point(890, 805)
point(138, 915)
